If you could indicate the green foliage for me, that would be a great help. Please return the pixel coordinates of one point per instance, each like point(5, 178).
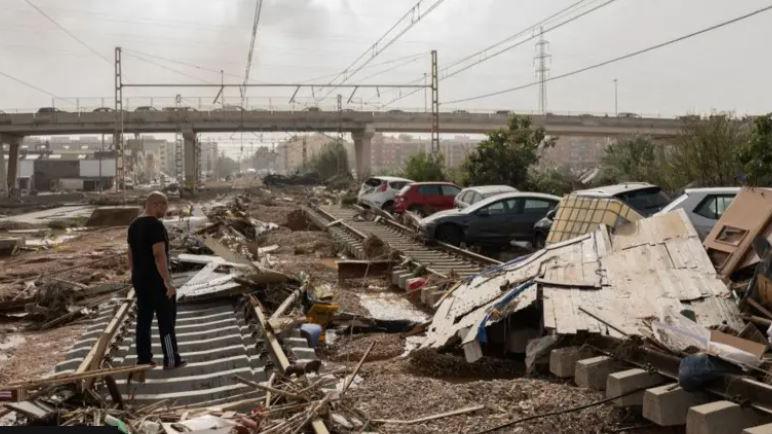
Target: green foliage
point(706, 152)
point(506, 155)
point(632, 159)
point(332, 161)
point(225, 166)
point(552, 180)
point(756, 154)
point(425, 167)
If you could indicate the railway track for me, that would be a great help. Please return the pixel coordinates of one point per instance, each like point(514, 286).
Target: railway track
point(439, 259)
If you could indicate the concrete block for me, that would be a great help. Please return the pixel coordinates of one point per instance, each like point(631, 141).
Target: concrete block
point(721, 417)
point(563, 361)
point(622, 382)
point(668, 405)
point(395, 273)
point(593, 372)
point(434, 297)
point(760, 429)
point(403, 278)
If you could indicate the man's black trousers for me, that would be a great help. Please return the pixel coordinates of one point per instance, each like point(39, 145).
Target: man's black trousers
point(152, 300)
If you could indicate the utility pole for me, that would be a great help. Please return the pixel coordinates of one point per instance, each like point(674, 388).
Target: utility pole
point(540, 61)
point(435, 106)
point(120, 176)
point(305, 150)
point(616, 98)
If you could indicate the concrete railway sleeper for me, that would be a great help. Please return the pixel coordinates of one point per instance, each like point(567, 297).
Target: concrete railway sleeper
point(415, 257)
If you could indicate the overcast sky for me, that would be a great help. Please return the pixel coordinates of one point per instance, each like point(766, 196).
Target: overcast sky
point(298, 40)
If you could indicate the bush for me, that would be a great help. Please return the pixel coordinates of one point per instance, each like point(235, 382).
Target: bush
point(425, 167)
point(332, 161)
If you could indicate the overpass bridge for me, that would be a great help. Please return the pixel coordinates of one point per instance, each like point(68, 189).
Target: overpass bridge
point(361, 125)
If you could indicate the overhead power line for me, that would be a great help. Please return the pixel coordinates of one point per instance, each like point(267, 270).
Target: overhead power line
point(70, 34)
point(162, 66)
point(622, 57)
point(179, 62)
point(485, 54)
point(512, 36)
point(255, 22)
point(408, 20)
point(488, 56)
point(32, 86)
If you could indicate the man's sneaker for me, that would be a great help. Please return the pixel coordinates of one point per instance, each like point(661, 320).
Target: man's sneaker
point(180, 364)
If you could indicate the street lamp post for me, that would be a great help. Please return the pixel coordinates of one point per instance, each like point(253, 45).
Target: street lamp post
point(616, 98)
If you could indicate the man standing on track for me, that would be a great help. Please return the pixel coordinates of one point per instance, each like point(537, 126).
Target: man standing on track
point(149, 264)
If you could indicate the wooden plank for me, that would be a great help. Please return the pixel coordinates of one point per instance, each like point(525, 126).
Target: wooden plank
point(270, 338)
point(70, 378)
point(97, 352)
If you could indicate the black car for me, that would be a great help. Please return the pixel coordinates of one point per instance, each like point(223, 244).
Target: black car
point(493, 222)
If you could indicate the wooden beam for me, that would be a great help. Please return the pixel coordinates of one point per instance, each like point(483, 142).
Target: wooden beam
point(70, 378)
point(97, 351)
point(270, 338)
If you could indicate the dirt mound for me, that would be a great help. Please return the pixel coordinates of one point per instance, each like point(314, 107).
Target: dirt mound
point(374, 247)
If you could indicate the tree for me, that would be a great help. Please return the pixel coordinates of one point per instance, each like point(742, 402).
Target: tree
point(425, 167)
point(756, 155)
point(225, 166)
point(632, 159)
point(506, 155)
point(552, 180)
point(706, 153)
point(331, 161)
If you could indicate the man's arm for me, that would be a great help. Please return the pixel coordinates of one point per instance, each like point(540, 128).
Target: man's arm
point(159, 253)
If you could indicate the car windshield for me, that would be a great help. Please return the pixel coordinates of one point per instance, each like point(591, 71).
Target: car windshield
point(373, 182)
point(646, 201)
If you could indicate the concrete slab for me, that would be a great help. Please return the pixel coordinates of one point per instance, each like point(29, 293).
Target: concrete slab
point(761, 429)
point(720, 417)
point(593, 372)
point(563, 360)
point(623, 382)
point(668, 405)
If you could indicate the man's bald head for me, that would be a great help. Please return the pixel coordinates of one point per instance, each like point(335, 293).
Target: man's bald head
point(156, 204)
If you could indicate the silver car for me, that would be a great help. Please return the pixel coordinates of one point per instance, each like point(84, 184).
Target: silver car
point(472, 195)
point(704, 206)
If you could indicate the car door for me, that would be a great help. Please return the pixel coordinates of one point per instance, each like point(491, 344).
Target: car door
point(428, 197)
point(488, 224)
point(449, 193)
point(533, 210)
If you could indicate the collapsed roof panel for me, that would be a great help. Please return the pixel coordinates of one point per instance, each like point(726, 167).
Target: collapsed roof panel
point(651, 268)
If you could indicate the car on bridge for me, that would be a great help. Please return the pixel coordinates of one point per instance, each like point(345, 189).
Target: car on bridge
point(472, 195)
point(379, 191)
point(103, 110)
point(145, 108)
point(179, 109)
point(492, 222)
point(704, 206)
point(50, 110)
point(229, 108)
point(312, 109)
point(425, 198)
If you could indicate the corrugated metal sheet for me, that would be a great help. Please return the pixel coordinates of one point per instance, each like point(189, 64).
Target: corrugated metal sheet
point(652, 268)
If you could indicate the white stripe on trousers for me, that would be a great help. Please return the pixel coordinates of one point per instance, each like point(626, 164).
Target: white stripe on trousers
point(170, 350)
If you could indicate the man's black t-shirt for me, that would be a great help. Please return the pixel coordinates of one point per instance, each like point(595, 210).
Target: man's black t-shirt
point(143, 233)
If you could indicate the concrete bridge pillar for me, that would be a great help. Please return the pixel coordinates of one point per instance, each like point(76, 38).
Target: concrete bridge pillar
point(363, 150)
point(190, 152)
point(10, 187)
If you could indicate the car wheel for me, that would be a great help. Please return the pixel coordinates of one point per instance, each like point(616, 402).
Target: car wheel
point(388, 206)
point(539, 241)
point(450, 234)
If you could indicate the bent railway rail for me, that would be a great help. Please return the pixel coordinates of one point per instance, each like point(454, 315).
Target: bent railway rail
point(440, 259)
